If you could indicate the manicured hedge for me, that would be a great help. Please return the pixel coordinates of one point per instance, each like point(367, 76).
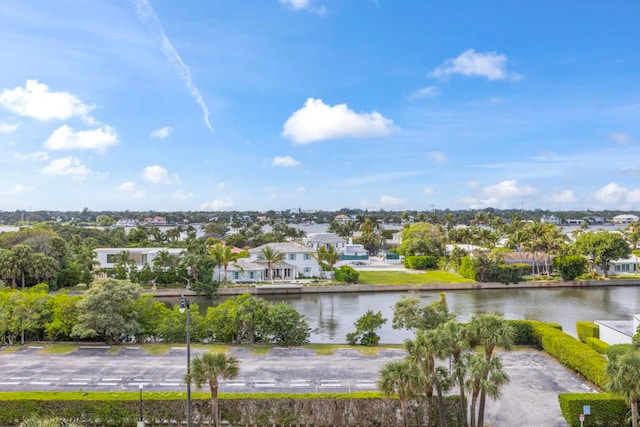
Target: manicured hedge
point(524, 331)
point(617, 350)
point(346, 274)
point(587, 330)
point(597, 344)
point(365, 409)
point(574, 354)
point(420, 262)
point(607, 410)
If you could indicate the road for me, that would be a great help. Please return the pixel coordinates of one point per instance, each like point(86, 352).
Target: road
point(530, 399)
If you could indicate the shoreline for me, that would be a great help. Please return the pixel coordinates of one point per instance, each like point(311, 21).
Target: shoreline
point(292, 289)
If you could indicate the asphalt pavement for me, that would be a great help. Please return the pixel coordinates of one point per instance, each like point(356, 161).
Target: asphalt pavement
point(530, 398)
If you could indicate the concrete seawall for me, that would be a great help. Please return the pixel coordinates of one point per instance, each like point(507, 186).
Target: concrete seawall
point(291, 289)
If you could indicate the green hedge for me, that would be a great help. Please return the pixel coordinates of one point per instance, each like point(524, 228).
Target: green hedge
point(597, 344)
point(617, 350)
point(524, 331)
point(167, 409)
point(420, 262)
point(574, 354)
point(587, 330)
point(607, 410)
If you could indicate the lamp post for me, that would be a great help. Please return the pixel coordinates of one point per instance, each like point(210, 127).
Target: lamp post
point(140, 420)
point(185, 304)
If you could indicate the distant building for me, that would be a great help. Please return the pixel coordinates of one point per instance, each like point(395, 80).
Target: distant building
point(127, 222)
point(551, 219)
point(625, 219)
point(156, 220)
point(341, 219)
point(140, 256)
point(317, 240)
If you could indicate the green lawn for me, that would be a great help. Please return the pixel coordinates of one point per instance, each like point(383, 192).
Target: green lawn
point(408, 278)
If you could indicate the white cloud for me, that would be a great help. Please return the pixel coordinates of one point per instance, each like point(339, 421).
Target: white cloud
point(67, 166)
point(390, 201)
point(611, 193)
point(65, 138)
point(147, 15)
point(19, 189)
point(620, 138)
point(438, 156)
point(285, 161)
point(130, 188)
point(220, 185)
point(159, 175)
point(36, 101)
point(469, 63)
point(508, 189)
point(425, 92)
point(317, 121)
point(162, 133)
point(35, 156)
point(217, 205)
point(565, 196)
point(429, 190)
point(182, 195)
point(302, 5)
point(8, 127)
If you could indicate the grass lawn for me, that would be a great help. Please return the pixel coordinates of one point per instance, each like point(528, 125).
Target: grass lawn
point(408, 278)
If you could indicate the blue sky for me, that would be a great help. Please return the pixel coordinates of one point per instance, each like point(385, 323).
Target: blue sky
point(319, 104)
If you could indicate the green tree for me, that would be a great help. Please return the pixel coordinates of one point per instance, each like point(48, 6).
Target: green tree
point(29, 309)
point(366, 325)
point(64, 315)
point(623, 371)
point(107, 310)
point(422, 239)
point(239, 320)
point(8, 269)
point(570, 266)
point(43, 268)
point(483, 378)
point(104, 220)
point(601, 247)
point(454, 337)
point(223, 256)
point(328, 255)
point(401, 378)
point(286, 326)
point(409, 314)
point(206, 369)
point(21, 257)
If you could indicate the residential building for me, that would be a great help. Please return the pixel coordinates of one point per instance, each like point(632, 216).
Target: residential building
point(156, 220)
point(342, 218)
point(127, 222)
point(298, 260)
point(551, 219)
point(629, 265)
point(618, 331)
point(326, 240)
point(141, 256)
point(625, 219)
point(244, 270)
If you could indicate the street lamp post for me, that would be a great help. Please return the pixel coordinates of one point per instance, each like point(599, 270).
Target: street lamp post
point(140, 420)
point(185, 304)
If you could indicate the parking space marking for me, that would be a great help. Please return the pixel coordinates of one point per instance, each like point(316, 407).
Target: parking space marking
point(235, 384)
point(40, 383)
point(77, 383)
point(107, 384)
point(9, 383)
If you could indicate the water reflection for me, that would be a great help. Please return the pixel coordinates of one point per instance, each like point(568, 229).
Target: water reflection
point(332, 316)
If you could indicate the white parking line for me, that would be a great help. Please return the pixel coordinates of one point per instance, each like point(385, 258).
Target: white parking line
point(143, 380)
point(9, 383)
point(20, 378)
point(51, 379)
point(368, 385)
point(235, 384)
point(107, 384)
point(40, 383)
point(111, 379)
point(77, 383)
point(261, 384)
point(80, 379)
point(171, 384)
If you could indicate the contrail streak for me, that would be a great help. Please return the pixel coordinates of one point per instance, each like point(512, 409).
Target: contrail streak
point(147, 15)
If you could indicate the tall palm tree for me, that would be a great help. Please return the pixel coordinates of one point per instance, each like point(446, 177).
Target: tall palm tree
point(8, 269)
point(423, 351)
point(483, 378)
point(454, 336)
point(21, 257)
point(271, 256)
point(624, 379)
point(207, 368)
point(223, 256)
point(328, 255)
point(403, 378)
point(489, 331)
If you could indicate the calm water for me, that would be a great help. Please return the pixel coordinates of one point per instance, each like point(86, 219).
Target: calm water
point(333, 315)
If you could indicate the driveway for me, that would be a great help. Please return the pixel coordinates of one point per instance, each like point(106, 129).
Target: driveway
point(530, 399)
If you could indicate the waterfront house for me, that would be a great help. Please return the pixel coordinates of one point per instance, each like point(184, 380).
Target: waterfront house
point(140, 256)
point(622, 266)
point(298, 260)
point(326, 240)
point(243, 270)
point(625, 219)
point(618, 331)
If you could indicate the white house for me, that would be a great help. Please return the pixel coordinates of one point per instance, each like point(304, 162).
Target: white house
point(141, 256)
point(551, 219)
point(618, 331)
point(342, 218)
point(127, 222)
point(326, 240)
point(243, 271)
point(298, 259)
point(622, 266)
point(625, 219)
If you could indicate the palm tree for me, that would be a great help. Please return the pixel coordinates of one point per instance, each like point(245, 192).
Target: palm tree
point(223, 256)
point(43, 267)
point(454, 336)
point(489, 331)
point(8, 269)
point(624, 379)
point(328, 255)
point(206, 369)
point(403, 378)
point(271, 256)
point(21, 257)
point(423, 351)
point(483, 378)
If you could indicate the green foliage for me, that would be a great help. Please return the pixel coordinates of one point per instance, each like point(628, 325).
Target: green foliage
point(286, 326)
point(574, 354)
point(420, 262)
point(239, 320)
point(617, 350)
point(467, 269)
point(365, 327)
point(409, 314)
point(587, 330)
point(524, 331)
point(601, 247)
point(607, 410)
point(346, 274)
point(484, 269)
point(422, 239)
point(597, 344)
point(570, 266)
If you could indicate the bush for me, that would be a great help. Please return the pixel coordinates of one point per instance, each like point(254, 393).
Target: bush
point(466, 268)
point(347, 274)
point(570, 266)
point(617, 350)
point(607, 410)
point(597, 344)
point(574, 354)
point(587, 330)
point(524, 332)
point(420, 262)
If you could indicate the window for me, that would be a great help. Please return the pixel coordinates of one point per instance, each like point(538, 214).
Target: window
point(307, 257)
point(307, 270)
point(111, 258)
point(292, 257)
point(144, 259)
point(252, 275)
point(236, 275)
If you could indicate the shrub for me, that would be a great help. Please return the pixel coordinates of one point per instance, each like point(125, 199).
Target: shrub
point(420, 262)
point(574, 354)
point(617, 350)
point(524, 331)
point(587, 330)
point(607, 410)
point(347, 274)
point(570, 266)
point(466, 268)
point(597, 344)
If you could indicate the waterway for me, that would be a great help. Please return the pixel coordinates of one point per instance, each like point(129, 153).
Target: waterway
point(332, 315)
